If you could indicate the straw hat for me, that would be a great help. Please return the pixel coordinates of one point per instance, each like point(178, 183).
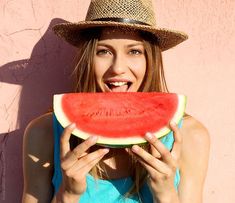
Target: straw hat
point(129, 14)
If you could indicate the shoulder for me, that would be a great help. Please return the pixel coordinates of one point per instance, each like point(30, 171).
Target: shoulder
point(195, 147)
point(195, 134)
point(38, 159)
point(40, 128)
point(39, 141)
point(193, 160)
point(43, 122)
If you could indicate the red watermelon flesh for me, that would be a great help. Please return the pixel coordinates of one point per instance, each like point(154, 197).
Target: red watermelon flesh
point(119, 118)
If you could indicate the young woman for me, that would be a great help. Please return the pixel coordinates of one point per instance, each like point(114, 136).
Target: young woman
point(119, 50)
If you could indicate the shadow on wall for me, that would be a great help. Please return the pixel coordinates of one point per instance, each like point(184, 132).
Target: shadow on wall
point(45, 73)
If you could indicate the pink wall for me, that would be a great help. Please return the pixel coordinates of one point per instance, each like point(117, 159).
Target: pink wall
point(34, 65)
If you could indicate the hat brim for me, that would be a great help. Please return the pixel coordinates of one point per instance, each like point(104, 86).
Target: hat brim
point(166, 38)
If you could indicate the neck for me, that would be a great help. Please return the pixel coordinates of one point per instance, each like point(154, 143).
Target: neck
point(116, 164)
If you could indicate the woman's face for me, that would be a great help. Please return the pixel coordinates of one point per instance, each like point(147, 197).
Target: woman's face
point(119, 61)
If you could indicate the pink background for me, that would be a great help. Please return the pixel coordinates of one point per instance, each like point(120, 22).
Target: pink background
point(35, 64)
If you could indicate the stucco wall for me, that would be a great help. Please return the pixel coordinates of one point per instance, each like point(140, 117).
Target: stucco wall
point(35, 64)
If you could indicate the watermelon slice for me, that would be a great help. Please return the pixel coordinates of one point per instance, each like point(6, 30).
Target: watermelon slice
point(119, 118)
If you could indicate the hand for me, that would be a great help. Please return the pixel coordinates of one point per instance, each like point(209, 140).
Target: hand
point(77, 163)
point(161, 164)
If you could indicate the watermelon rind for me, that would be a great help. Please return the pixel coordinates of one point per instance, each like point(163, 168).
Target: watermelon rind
point(117, 142)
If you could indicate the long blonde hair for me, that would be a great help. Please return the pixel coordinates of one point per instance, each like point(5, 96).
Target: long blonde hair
point(154, 80)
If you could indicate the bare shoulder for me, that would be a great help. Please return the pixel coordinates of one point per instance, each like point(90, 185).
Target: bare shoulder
point(195, 133)
point(43, 122)
point(39, 133)
point(195, 149)
point(38, 159)
point(193, 160)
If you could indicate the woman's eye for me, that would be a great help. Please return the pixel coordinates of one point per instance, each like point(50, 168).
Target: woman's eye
point(103, 52)
point(135, 52)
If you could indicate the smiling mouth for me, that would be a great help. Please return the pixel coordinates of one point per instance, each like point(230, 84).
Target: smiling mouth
point(120, 86)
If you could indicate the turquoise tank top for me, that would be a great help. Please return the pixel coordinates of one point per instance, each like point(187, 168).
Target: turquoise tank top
point(108, 191)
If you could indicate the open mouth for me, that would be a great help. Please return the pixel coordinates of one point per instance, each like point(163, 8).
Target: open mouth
point(120, 86)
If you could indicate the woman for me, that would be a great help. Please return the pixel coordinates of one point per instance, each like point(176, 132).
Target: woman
point(119, 50)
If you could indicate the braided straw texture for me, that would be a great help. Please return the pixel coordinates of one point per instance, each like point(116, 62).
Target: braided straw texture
point(140, 10)
point(137, 10)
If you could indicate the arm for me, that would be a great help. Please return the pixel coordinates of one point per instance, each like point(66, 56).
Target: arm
point(75, 164)
point(38, 163)
point(194, 161)
point(38, 160)
point(189, 154)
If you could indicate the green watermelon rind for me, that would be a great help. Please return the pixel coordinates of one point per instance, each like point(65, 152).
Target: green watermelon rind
point(117, 142)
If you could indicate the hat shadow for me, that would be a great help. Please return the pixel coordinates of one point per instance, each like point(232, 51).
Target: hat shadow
point(45, 73)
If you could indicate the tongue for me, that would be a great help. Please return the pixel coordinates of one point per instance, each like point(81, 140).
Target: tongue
point(122, 88)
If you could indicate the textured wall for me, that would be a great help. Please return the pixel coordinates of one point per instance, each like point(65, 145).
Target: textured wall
point(34, 65)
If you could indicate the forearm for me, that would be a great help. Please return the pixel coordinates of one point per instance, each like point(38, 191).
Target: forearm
point(36, 194)
point(64, 196)
point(172, 197)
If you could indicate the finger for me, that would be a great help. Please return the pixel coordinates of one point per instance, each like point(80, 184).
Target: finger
point(176, 149)
point(153, 173)
point(84, 146)
point(153, 149)
point(87, 167)
point(79, 151)
point(159, 147)
point(149, 159)
point(85, 164)
point(64, 140)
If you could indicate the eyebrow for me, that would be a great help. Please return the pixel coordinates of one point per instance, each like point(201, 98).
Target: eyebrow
point(128, 46)
point(135, 44)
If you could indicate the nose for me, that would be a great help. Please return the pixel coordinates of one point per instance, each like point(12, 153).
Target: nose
point(119, 64)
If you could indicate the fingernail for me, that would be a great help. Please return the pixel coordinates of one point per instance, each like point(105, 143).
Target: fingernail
point(73, 125)
point(93, 138)
point(135, 148)
point(106, 150)
point(172, 123)
point(149, 136)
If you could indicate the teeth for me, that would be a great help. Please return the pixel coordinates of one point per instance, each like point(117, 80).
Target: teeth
point(118, 83)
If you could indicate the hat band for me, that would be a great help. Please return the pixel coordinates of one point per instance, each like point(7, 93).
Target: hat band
point(121, 20)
